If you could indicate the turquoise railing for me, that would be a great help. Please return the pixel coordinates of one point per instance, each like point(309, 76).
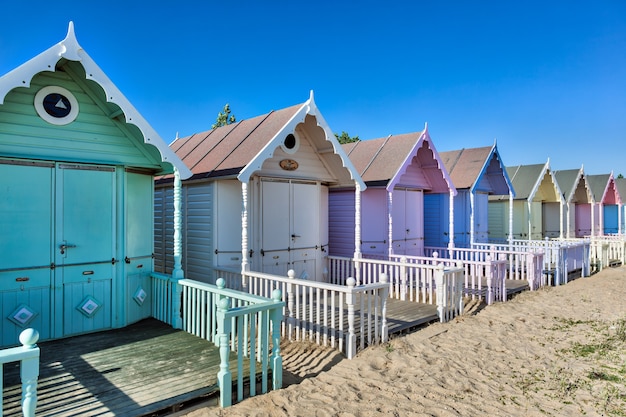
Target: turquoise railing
point(28, 355)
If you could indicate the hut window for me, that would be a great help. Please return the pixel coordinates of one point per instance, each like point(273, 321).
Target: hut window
point(290, 144)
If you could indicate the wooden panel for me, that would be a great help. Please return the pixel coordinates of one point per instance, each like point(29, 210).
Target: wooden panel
point(435, 225)
point(374, 229)
point(341, 223)
point(481, 218)
point(551, 218)
point(139, 224)
point(164, 229)
point(227, 230)
point(583, 220)
point(498, 220)
point(197, 230)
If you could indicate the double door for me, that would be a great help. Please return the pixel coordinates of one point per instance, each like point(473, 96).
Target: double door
point(58, 245)
point(290, 227)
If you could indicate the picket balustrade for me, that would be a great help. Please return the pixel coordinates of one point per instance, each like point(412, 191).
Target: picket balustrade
point(236, 322)
point(28, 356)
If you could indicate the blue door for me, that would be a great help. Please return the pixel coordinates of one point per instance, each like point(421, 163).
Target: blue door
point(57, 241)
point(26, 248)
point(84, 248)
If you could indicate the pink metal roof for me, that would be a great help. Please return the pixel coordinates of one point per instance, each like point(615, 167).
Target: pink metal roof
point(397, 158)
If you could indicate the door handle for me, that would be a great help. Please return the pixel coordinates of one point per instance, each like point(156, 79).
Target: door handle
point(294, 236)
point(65, 246)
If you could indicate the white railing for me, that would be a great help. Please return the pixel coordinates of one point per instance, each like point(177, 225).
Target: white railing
point(607, 250)
point(236, 322)
point(28, 356)
point(560, 257)
point(407, 281)
point(345, 317)
point(481, 274)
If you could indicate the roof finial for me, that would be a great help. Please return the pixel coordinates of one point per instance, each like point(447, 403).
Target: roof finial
point(70, 45)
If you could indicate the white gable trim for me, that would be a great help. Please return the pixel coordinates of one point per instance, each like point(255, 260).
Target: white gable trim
point(69, 49)
point(308, 108)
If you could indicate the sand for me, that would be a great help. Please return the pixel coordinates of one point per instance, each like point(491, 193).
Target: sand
point(559, 351)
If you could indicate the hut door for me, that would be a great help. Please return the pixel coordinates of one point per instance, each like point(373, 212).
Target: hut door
point(408, 222)
point(290, 227)
point(84, 248)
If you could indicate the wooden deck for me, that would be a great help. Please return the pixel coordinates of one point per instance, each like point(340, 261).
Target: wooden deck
point(135, 371)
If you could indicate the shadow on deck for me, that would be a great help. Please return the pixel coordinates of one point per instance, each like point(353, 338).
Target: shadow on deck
point(138, 370)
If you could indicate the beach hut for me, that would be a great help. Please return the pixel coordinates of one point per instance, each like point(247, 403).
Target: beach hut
point(606, 202)
point(620, 183)
point(77, 167)
point(398, 171)
point(476, 174)
point(258, 196)
point(578, 199)
point(537, 206)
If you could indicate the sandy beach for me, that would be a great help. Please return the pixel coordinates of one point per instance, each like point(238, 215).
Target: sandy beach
point(559, 351)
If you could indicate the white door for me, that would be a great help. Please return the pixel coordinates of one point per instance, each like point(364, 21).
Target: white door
point(289, 227)
point(408, 222)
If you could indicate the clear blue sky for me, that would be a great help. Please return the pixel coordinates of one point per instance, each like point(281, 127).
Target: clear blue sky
point(547, 79)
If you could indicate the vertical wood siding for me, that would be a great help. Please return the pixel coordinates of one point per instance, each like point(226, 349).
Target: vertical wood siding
point(435, 225)
point(341, 223)
point(164, 229)
point(498, 220)
point(198, 247)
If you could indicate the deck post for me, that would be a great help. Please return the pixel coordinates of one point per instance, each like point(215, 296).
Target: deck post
point(490, 270)
point(351, 342)
point(224, 376)
point(276, 317)
point(357, 232)
point(384, 295)
point(290, 302)
point(245, 265)
point(29, 372)
point(442, 293)
point(403, 276)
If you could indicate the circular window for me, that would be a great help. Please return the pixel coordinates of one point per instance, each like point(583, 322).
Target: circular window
point(56, 105)
point(290, 144)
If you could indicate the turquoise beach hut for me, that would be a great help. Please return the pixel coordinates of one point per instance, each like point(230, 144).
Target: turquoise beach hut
point(77, 168)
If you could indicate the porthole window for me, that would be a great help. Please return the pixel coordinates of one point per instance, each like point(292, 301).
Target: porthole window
point(56, 105)
point(290, 144)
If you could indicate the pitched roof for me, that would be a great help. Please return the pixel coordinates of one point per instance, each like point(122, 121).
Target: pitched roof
point(524, 178)
point(478, 168)
point(604, 189)
point(70, 50)
point(239, 149)
point(384, 161)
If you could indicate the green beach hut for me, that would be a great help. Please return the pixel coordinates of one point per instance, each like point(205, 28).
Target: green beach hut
point(77, 165)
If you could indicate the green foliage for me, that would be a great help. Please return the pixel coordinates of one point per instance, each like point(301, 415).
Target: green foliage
point(346, 138)
point(224, 118)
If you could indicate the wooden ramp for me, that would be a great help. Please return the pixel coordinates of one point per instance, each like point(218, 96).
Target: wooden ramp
point(135, 371)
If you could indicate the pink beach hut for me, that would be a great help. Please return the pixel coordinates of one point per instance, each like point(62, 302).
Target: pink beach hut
point(578, 200)
point(398, 171)
point(476, 174)
point(605, 216)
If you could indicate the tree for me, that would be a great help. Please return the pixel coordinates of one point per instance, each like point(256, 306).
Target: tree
point(224, 118)
point(346, 138)
point(620, 176)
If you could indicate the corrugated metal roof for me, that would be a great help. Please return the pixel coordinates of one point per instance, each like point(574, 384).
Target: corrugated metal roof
point(568, 181)
point(232, 146)
point(465, 165)
point(385, 160)
point(524, 178)
point(597, 185)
